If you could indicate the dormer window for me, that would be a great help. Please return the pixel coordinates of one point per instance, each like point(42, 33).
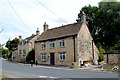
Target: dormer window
point(62, 43)
point(43, 46)
point(52, 45)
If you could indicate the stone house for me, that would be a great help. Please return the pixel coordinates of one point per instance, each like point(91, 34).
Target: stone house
point(26, 45)
point(15, 56)
point(70, 44)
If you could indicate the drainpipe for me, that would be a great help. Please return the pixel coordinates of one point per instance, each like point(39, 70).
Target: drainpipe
point(74, 48)
point(92, 49)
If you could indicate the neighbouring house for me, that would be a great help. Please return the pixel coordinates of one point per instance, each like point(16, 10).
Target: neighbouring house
point(15, 56)
point(70, 44)
point(26, 45)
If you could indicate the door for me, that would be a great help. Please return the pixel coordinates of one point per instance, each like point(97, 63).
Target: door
point(52, 59)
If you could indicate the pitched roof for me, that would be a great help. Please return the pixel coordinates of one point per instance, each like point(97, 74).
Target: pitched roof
point(29, 38)
point(63, 31)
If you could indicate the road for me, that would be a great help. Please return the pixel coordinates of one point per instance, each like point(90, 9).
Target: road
point(18, 70)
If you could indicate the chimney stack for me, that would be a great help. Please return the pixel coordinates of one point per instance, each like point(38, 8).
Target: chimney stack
point(37, 31)
point(20, 38)
point(45, 26)
point(83, 17)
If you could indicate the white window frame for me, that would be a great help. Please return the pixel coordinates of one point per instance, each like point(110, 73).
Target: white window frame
point(62, 43)
point(43, 57)
point(52, 44)
point(43, 45)
point(20, 52)
point(24, 52)
point(62, 56)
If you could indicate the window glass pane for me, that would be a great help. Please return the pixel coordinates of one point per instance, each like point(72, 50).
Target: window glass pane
point(61, 43)
point(43, 45)
point(43, 57)
point(24, 52)
point(62, 56)
point(52, 44)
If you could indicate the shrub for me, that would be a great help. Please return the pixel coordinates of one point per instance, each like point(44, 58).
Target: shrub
point(31, 56)
point(101, 57)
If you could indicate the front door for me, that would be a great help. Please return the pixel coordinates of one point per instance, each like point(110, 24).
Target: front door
point(52, 60)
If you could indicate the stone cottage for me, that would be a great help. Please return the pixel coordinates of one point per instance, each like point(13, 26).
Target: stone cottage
point(66, 45)
point(26, 45)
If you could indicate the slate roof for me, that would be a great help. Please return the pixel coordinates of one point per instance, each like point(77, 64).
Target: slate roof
point(59, 32)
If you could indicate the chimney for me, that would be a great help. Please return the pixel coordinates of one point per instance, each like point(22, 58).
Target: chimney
point(20, 37)
point(45, 26)
point(37, 31)
point(83, 17)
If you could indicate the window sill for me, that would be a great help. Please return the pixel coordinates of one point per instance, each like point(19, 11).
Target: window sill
point(52, 48)
point(62, 46)
point(62, 60)
point(43, 60)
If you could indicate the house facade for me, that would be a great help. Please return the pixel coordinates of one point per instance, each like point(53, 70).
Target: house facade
point(26, 45)
point(15, 56)
point(66, 45)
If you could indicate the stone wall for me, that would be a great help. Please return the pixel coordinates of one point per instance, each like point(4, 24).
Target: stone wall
point(68, 48)
point(112, 58)
point(87, 50)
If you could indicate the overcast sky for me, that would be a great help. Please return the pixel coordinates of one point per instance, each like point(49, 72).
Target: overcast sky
point(23, 17)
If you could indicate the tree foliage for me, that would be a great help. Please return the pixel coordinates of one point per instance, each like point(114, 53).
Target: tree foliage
point(31, 56)
point(12, 44)
point(103, 22)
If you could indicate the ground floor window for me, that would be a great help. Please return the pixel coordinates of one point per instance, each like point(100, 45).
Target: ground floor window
point(43, 56)
point(62, 55)
point(24, 52)
point(20, 52)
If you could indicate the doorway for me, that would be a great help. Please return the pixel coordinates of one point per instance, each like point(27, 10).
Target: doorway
point(52, 59)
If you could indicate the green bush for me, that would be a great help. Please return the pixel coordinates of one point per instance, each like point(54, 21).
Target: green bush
point(31, 56)
point(101, 57)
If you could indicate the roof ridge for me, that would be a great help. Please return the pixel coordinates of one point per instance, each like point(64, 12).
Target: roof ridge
point(64, 26)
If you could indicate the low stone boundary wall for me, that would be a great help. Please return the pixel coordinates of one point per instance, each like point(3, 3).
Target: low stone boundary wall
point(112, 58)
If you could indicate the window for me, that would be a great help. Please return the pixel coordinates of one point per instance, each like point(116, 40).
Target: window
point(20, 52)
point(43, 45)
point(43, 57)
point(20, 43)
point(24, 52)
point(52, 45)
point(62, 43)
point(62, 56)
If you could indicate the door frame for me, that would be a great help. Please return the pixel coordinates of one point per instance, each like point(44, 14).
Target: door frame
point(52, 58)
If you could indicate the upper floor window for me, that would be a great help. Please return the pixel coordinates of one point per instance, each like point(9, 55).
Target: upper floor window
point(43, 45)
point(62, 43)
point(52, 45)
point(62, 55)
point(20, 52)
point(24, 52)
point(43, 56)
point(20, 43)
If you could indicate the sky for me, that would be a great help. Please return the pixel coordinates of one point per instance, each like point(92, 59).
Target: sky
point(23, 17)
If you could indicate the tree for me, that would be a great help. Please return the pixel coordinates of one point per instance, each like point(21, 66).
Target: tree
point(4, 51)
point(31, 56)
point(12, 44)
point(103, 23)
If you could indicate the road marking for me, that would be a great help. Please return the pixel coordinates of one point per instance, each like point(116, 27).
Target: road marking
point(47, 77)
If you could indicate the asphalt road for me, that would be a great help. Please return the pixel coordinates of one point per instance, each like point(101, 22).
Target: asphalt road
point(18, 70)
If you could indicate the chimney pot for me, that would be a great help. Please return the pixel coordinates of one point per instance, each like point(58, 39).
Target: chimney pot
point(45, 26)
point(37, 31)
